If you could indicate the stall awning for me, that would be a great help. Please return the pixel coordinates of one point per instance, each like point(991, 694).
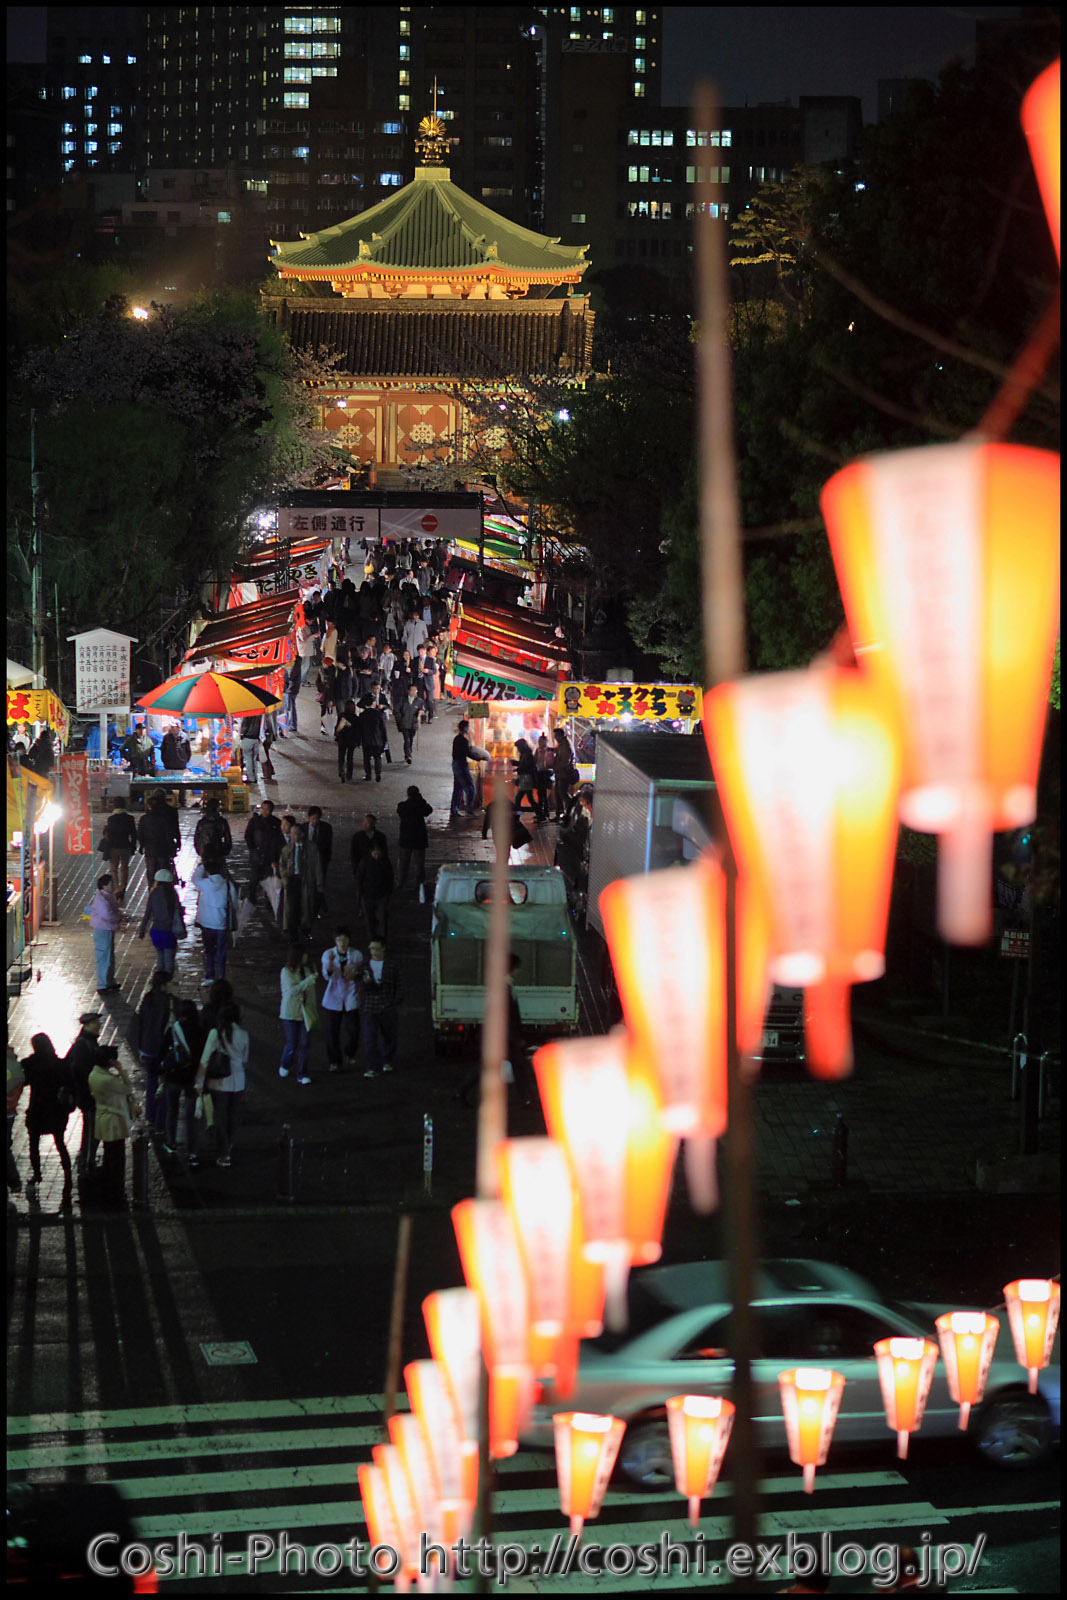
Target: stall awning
point(39, 705)
point(478, 676)
point(264, 622)
point(513, 621)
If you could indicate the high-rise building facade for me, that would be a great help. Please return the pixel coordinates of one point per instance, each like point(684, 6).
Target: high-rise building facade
point(91, 72)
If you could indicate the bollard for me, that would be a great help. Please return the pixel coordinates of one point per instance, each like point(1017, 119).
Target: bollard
point(1018, 1062)
point(1041, 1070)
point(427, 1152)
point(287, 1165)
point(839, 1153)
point(140, 1169)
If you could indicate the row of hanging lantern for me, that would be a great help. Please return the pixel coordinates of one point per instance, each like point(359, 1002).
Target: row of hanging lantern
point(421, 1489)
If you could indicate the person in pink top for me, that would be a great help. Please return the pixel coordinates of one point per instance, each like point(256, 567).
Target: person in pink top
point(105, 919)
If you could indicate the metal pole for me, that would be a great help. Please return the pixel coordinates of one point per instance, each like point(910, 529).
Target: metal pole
point(724, 646)
point(1018, 1060)
point(396, 1317)
point(37, 571)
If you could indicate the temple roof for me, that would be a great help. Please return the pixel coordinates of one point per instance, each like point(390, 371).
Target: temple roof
point(431, 226)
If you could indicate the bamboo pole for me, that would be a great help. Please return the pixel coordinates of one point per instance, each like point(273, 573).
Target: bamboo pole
point(396, 1318)
point(724, 646)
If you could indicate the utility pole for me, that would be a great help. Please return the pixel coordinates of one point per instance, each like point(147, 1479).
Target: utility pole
point(37, 567)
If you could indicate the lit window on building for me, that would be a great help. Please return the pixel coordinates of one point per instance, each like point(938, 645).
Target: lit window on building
point(296, 99)
point(85, 61)
point(389, 127)
point(639, 41)
point(68, 127)
point(302, 152)
point(91, 92)
point(296, 49)
point(324, 72)
point(608, 14)
point(91, 127)
point(114, 127)
point(576, 13)
point(657, 136)
point(575, 34)
point(639, 63)
point(298, 75)
point(69, 147)
point(68, 93)
point(640, 18)
point(403, 102)
point(403, 78)
point(497, 194)
point(224, 216)
point(68, 166)
point(91, 145)
point(131, 61)
point(326, 47)
point(115, 146)
point(391, 180)
point(446, 116)
point(405, 25)
point(405, 52)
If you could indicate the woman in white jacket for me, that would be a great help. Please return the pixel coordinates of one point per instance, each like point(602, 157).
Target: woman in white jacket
point(224, 1076)
point(216, 915)
point(298, 995)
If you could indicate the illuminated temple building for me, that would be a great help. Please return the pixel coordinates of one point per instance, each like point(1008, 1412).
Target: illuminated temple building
point(428, 291)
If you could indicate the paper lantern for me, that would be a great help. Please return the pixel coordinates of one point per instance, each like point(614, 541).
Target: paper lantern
point(967, 1339)
point(699, 1428)
point(493, 1268)
point(536, 1190)
point(387, 1460)
point(604, 1109)
point(405, 1432)
point(948, 561)
point(431, 1403)
point(586, 1447)
point(905, 1373)
point(1033, 1316)
point(382, 1528)
point(453, 1328)
point(807, 768)
point(811, 1399)
point(1041, 124)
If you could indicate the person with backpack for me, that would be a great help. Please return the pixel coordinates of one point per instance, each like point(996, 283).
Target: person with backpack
point(118, 844)
point(154, 1017)
point(163, 919)
point(183, 1042)
point(216, 914)
point(50, 1106)
point(223, 1066)
point(212, 836)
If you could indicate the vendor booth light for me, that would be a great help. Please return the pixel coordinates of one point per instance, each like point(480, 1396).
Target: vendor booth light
point(1033, 1316)
point(948, 561)
point(493, 1268)
point(905, 1373)
point(666, 932)
point(535, 1187)
point(49, 816)
point(606, 1112)
point(1041, 124)
point(586, 1448)
point(967, 1339)
point(811, 1399)
point(383, 1531)
point(699, 1428)
point(807, 768)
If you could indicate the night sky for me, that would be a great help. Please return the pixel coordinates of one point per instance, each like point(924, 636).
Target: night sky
point(754, 53)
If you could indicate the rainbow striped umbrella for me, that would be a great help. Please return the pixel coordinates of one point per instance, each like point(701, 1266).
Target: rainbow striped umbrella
point(208, 694)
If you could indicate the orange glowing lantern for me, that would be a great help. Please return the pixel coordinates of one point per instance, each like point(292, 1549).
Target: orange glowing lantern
point(431, 1403)
point(452, 1323)
point(948, 561)
point(700, 1431)
point(808, 772)
point(382, 1529)
point(493, 1268)
point(586, 1447)
point(905, 1373)
point(967, 1339)
point(1033, 1316)
point(666, 932)
point(811, 1399)
point(604, 1110)
point(387, 1460)
point(1041, 124)
point(405, 1432)
point(535, 1187)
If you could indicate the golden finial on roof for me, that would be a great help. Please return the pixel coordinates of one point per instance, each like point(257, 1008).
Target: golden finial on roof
point(431, 141)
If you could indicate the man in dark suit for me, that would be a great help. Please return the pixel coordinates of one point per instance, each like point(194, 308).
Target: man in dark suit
point(320, 837)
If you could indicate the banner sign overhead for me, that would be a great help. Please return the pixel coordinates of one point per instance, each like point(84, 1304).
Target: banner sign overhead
point(639, 702)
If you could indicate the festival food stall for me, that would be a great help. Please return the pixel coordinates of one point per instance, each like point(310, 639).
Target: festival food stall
point(592, 708)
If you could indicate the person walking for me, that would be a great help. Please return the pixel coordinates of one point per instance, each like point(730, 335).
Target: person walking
point(80, 1060)
point(464, 791)
point(116, 1108)
point(565, 773)
point(263, 841)
point(415, 632)
point(250, 732)
point(374, 882)
point(543, 775)
point(407, 713)
point(216, 914)
point(347, 734)
point(374, 737)
point(181, 1058)
point(326, 693)
point(154, 1017)
point(159, 835)
point(341, 967)
point(106, 917)
point(364, 839)
point(50, 1105)
point(298, 998)
point(413, 838)
point(223, 1072)
point(379, 998)
point(526, 779)
point(300, 870)
point(120, 838)
point(212, 836)
point(164, 919)
point(293, 679)
point(427, 667)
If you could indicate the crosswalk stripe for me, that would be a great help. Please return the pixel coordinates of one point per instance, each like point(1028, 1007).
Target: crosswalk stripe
point(260, 1480)
point(100, 1452)
point(515, 1501)
point(208, 1411)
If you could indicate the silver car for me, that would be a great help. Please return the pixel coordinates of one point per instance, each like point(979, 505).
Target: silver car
point(810, 1314)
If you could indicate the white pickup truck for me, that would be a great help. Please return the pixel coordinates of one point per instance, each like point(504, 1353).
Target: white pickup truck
point(542, 936)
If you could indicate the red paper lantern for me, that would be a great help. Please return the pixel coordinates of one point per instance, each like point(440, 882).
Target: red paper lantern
point(535, 1187)
point(431, 1403)
point(453, 1326)
point(603, 1107)
point(493, 1268)
point(382, 1528)
point(405, 1432)
point(586, 1447)
point(811, 1399)
point(699, 1428)
point(666, 932)
point(1041, 124)
point(967, 1339)
point(1033, 1316)
point(387, 1460)
point(807, 770)
point(905, 1373)
point(948, 561)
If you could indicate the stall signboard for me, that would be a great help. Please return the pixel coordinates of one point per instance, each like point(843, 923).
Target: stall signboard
point(268, 653)
point(39, 705)
point(102, 670)
point(639, 702)
point(471, 685)
point(78, 834)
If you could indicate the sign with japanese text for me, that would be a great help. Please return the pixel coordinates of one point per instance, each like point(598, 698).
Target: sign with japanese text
point(480, 686)
point(302, 522)
point(39, 705)
point(271, 653)
point(78, 833)
point(387, 522)
point(102, 669)
point(1015, 943)
point(637, 702)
